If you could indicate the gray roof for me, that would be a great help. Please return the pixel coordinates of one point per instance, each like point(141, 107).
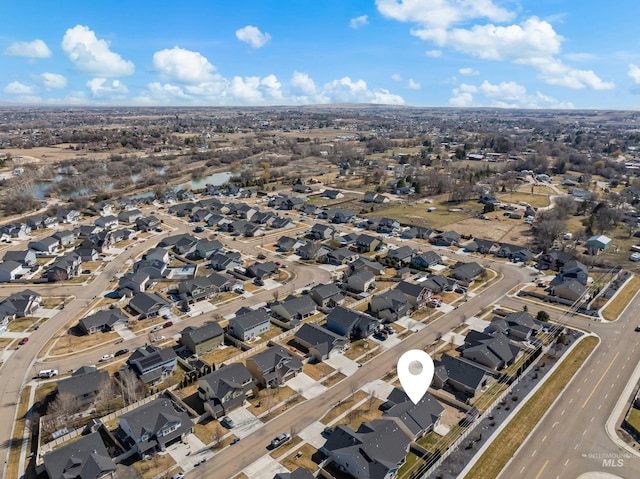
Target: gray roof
point(299, 473)
point(152, 417)
point(250, 319)
point(462, 371)
point(107, 317)
point(302, 305)
point(325, 291)
point(145, 302)
point(228, 378)
point(417, 417)
point(320, 338)
point(375, 448)
point(10, 265)
point(86, 458)
point(204, 333)
point(85, 380)
point(273, 356)
point(148, 357)
point(410, 289)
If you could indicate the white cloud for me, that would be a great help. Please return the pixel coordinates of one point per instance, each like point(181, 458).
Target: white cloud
point(507, 94)
point(396, 77)
point(17, 88)
point(53, 80)
point(554, 72)
point(468, 72)
point(634, 73)
point(182, 65)
point(359, 21)
point(440, 14)
point(413, 85)
point(580, 57)
point(345, 90)
point(101, 87)
point(434, 53)
point(92, 55)
point(33, 49)
point(253, 36)
point(302, 83)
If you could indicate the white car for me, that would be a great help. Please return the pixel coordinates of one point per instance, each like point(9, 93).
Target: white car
point(159, 338)
point(106, 357)
point(156, 328)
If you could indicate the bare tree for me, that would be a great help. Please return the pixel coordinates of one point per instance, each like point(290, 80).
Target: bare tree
point(63, 407)
point(106, 394)
point(216, 436)
point(131, 386)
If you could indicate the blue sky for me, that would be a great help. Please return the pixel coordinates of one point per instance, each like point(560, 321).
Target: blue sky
point(528, 53)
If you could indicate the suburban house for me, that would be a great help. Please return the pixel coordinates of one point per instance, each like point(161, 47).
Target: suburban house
point(84, 458)
point(376, 450)
point(24, 257)
point(425, 260)
point(204, 338)
point(101, 321)
point(294, 309)
point(416, 293)
point(448, 238)
point(132, 283)
point(401, 255)
point(130, 216)
point(374, 197)
point(572, 269)
point(320, 342)
point(361, 281)
point(494, 351)
point(10, 270)
point(206, 248)
point(249, 325)
point(262, 270)
point(68, 216)
point(66, 237)
point(147, 223)
point(519, 325)
point(569, 289)
point(321, 231)
point(64, 268)
point(366, 243)
point(273, 366)
point(351, 324)
point(466, 272)
point(225, 389)
point(48, 245)
point(148, 305)
point(326, 295)
point(420, 418)
point(152, 364)
point(514, 253)
point(84, 385)
point(19, 305)
point(390, 305)
point(225, 261)
point(460, 375)
point(419, 232)
point(555, 259)
point(154, 426)
point(299, 473)
point(437, 283)
point(313, 251)
point(204, 287)
point(286, 244)
point(363, 263)
point(482, 246)
point(341, 256)
point(107, 222)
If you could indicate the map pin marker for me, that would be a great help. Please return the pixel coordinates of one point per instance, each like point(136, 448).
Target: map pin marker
point(415, 371)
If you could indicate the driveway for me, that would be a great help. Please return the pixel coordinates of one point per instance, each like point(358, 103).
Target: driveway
point(380, 388)
point(343, 364)
point(313, 434)
point(266, 466)
point(186, 455)
point(411, 324)
point(308, 387)
point(390, 342)
point(245, 422)
point(477, 324)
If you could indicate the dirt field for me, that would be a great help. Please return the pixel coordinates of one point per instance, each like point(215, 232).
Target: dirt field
point(509, 231)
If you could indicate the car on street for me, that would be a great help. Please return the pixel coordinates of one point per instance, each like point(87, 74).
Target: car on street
point(258, 282)
point(121, 352)
point(198, 229)
point(179, 475)
point(280, 439)
point(23, 341)
point(168, 324)
point(637, 328)
point(106, 357)
point(156, 328)
point(227, 422)
point(47, 373)
point(158, 338)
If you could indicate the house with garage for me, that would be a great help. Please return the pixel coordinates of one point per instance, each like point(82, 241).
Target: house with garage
point(597, 244)
point(326, 296)
point(514, 253)
point(294, 309)
point(25, 257)
point(341, 256)
point(420, 418)
point(460, 375)
point(147, 223)
point(273, 367)
point(10, 270)
point(107, 222)
point(286, 244)
point(84, 385)
point(569, 289)
point(130, 216)
point(262, 270)
point(572, 269)
point(155, 268)
point(361, 281)
point(417, 232)
point(377, 449)
point(426, 260)
point(417, 294)
point(482, 246)
point(363, 263)
point(65, 267)
point(133, 283)
point(448, 238)
point(321, 231)
point(65, 237)
point(202, 339)
point(494, 351)
point(101, 321)
point(249, 325)
point(84, 458)
point(19, 305)
point(313, 251)
point(48, 245)
point(402, 255)
point(154, 426)
point(320, 343)
point(367, 244)
point(519, 325)
point(466, 272)
point(152, 364)
point(225, 261)
point(149, 305)
point(225, 389)
point(351, 324)
point(390, 305)
point(68, 216)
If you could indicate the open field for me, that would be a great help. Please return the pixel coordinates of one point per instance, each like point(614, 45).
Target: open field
point(505, 445)
point(343, 406)
point(69, 343)
point(535, 200)
point(445, 215)
point(622, 299)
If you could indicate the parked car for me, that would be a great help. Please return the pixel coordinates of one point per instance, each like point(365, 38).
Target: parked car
point(258, 282)
point(380, 336)
point(23, 341)
point(637, 328)
point(167, 324)
point(239, 290)
point(198, 229)
point(327, 431)
point(280, 439)
point(388, 329)
point(47, 373)
point(106, 357)
point(227, 422)
point(121, 352)
point(156, 328)
point(158, 338)
point(179, 475)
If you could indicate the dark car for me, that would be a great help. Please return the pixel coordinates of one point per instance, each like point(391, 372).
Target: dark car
point(120, 352)
point(198, 229)
point(167, 324)
point(258, 282)
point(637, 328)
point(23, 341)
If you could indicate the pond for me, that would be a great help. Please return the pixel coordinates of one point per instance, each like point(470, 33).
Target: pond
point(215, 179)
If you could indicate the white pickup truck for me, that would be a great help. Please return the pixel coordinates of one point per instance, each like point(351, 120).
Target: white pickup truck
point(47, 373)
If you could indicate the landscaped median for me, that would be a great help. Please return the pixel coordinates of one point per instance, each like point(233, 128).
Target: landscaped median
point(504, 446)
point(615, 307)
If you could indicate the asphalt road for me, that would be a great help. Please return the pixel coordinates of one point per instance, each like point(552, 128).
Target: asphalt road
point(571, 439)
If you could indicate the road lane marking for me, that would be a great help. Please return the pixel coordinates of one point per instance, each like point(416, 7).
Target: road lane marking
point(566, 462)
point(544, 438)
point(576, 446)
point(562, 413)
point(522, 470)
point(534, 453)
point(570, 400)
point(541, 470)
point(600, 380)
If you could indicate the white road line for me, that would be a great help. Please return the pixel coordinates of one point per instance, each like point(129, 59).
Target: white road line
point(592, 418)
point(543, 439)
point(562, 413)
point(522, 470)
point(599, 407)
point(565, 462)
point(534, 453)
point(570, 400)
point(584, 432)
point(578, 390)
point(576, 446)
